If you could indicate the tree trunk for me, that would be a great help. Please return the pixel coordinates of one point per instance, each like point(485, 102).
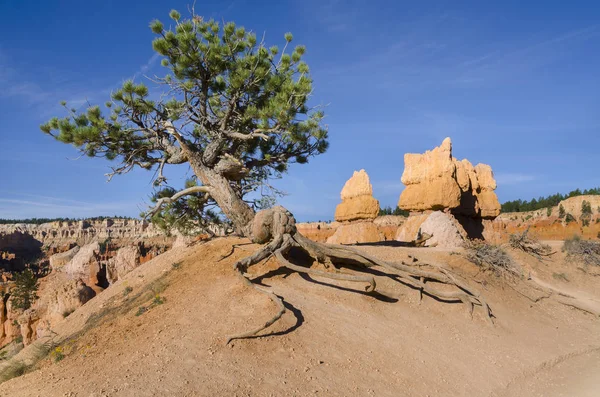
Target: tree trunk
point(234, 207)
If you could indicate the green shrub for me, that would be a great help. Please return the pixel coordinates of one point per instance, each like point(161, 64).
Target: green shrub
point(561, 211)
point(549, 211)
point(569, 218)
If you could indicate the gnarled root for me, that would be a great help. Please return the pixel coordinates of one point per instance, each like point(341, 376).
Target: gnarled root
point(278, 226)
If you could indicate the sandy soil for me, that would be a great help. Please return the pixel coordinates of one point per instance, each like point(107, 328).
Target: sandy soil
point(334, 339)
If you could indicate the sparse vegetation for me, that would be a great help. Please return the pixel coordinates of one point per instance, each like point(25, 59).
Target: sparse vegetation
point(58, 354)
point(25, 291)
point(141, 310)
point(543, 202)
point(561, 211)
point(529, 244)
point(585, 251)
point(492, 257)
point(549, 211)
point(176, 265)
point(570, 218)
point(586, 213)
point(127, 290)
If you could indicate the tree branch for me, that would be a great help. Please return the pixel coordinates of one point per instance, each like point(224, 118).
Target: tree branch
point(185, 192)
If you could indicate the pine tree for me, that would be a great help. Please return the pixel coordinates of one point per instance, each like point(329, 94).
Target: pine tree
point(24, 293)
point(561, 211)
point(236, 112)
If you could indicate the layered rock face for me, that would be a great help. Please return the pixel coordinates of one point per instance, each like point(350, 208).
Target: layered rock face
point(21, 235)
point(436, 181)
point(357, 199)
point(356, 212)
point(76, 261)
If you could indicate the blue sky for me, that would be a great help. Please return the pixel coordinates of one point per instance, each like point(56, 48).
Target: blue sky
point(515, 84)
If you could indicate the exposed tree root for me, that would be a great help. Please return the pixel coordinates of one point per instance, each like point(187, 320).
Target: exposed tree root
point(286, 237)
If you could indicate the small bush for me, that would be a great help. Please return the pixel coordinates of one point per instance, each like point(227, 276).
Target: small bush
point(58, 354)
point(549, 211)
point(127, 290)
point(158, 300)
point(561, 211)
point(141, 310)
point(585, 251)
point(586, 208)
point(176, 265)
point(569, 218)
point(492, 257)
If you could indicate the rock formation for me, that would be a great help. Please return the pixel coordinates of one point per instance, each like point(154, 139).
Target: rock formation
point(357, 199)
point(444, 230)
point(436, 181)
point(356, 212)
point(74, 262)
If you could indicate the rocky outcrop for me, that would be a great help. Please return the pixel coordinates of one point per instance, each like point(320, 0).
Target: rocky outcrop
point(355, 233)
point(430, 180)
point(436, 181)
point(79, 267)
point(58, 261)
point(444, 229)
point(356, 212)
point(127, 259)
point(358, 202)
point(410, 228)
point(81, 232)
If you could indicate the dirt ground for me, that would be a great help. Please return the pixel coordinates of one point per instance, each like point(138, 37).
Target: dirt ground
point(334, 340)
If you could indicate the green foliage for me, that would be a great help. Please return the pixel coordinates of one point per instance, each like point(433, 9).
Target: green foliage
point(586, 213)
point(24, 292)
point(543, 202)
point(141, 310)
point(561, 211)
point(226, 94)
point(193, 211)
point(549, 211)
point(570, 218)
point(127, 290)
point(396, 211)
point(586, 208)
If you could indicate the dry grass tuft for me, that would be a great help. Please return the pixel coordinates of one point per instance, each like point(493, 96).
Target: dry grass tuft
point(492, 257)
point(585, 251)
point(530, 245)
